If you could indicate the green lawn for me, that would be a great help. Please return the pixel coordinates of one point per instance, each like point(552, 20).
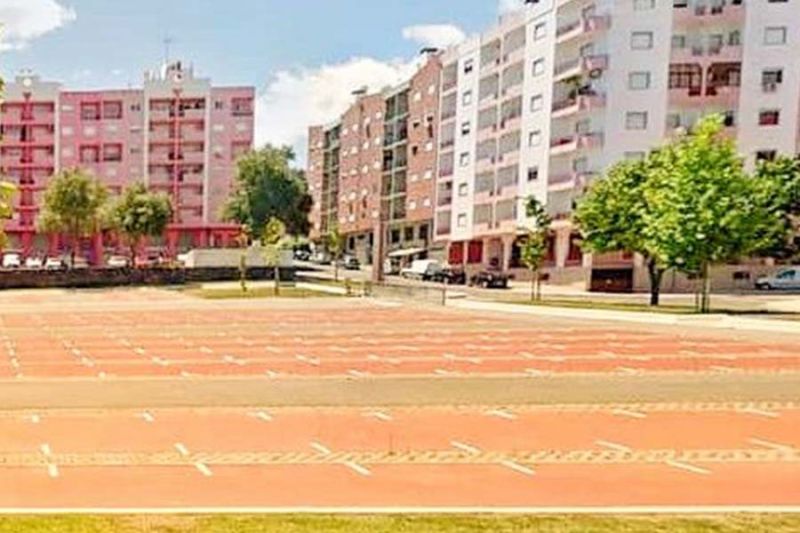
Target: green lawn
point(607, 306)
point(256, 292)
point(403, 524)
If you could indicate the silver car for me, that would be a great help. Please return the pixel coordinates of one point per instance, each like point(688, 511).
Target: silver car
point(788, 278)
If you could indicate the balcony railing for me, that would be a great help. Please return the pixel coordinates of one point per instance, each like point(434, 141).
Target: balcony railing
point(582, 26)
point(570, 143)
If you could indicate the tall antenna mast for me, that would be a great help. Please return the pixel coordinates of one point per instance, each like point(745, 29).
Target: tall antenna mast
point(167, 44)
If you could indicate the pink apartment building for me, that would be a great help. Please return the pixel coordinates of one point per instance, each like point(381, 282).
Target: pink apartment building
point(177, 134)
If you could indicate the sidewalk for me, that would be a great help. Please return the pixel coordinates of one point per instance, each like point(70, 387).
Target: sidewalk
point(716, 321)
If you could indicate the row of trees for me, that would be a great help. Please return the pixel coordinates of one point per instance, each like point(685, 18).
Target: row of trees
point(691, 205)
point(77, 205)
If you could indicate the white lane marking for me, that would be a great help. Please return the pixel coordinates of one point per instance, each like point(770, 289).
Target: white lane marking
point(771, 445)
point(518, 467)
point(688, 467)
point(357, 468)
point(358, 373)
point(501, 413)
point(206, 349)
point(443, 372)
point(147, 416)
point(263, 415)
point(373, 357)
point(36, 418)
point(464, 447)
point(631, 414)
point(272, 349)
point(321, 448)
point(533, 372)
point(527, 355)
point(759, 412)
point(203, 469)
point(185, 374)
point(313, 361)
point(627, 370)
point(101, 375)
point(181, 449)
point(140, 351)
point(613, 446)
point(271, 374)
point(721, 368)
point(380, 415)
point(46, 449)
point(52, 470)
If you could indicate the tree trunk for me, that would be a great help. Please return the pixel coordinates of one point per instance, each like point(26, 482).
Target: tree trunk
point(243, 270)
point(277, 275)
point(336, 269)
point(533, 285)
point(538, 279)
point(133, 254)
point(705, 301)
point(72, 252)
point(656, 275)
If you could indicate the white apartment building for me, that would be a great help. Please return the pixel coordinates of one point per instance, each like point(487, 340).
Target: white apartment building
point(543, 102)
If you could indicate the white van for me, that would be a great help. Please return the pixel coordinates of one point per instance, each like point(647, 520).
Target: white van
point(12, 260)
point(423, 269)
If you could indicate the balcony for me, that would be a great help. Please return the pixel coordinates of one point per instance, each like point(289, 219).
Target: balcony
point(580, 66)
point(705, 54)
point(569, 181)
point(582, 27)
point(571, 143)
point(578, 104)
point(718, 13)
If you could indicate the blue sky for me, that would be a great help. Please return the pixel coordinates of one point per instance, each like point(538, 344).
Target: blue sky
point(301, 55)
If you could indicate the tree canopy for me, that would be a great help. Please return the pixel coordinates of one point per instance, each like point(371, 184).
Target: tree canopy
point(73, 204)
point(266, 186)
point(139, 213)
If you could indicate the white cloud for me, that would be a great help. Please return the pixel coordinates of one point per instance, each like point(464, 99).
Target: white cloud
point(25, 20)
point(507, 6)
point(434, 35)
point(295, 99)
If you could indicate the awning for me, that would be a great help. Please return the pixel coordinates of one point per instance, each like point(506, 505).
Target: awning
point(406, 252)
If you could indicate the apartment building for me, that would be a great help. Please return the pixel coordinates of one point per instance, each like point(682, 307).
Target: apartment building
point(374, 168)
point(545, 101)
point(177, 134)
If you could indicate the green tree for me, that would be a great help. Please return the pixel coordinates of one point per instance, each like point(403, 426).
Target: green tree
point(268, 187)
point(139, 213)
point(334, 242)
point(614, 212)
point(777, 186)
point(74, 205)
point(272, 237)
point(704, 208)
point(534, 247)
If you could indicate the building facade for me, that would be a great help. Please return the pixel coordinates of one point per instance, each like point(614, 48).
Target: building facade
point(545, 101)
point(178, 134)
point(373, 169)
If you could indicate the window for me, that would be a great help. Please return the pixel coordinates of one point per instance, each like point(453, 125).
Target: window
point(638, 81)
point(771, 78)
point(735, 38)
point(539, 31)
point(463, 189)
point(678, 42)
point(535, 138)
point(636, 120)
point(466, 99)
point(673, 121)
point(136, 108)
point(112, 110)
point(729, 118)
point(643, 5)
point(219, 105)
point(766, 155)
point(641, 40)
point(463, 160)
point(469, 66)
point(769, 117)
point(466, 128)
point(423, 232)
point(537, 102)
point(533, 173)
point(538, 67)
point(408, 234)
point(462, 221)
point(775, 35)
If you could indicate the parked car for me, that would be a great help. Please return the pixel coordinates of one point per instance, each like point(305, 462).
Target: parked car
point(350, 262)
point(391, 267)
point(118, 261)
point(34, 263)
point(490, 279)
point(80, 263)
point(301, 255)
point(450, 275)
point(12, 260)
point(788, 278)
point(322, 258)
point(422, 269)
point(54, 263)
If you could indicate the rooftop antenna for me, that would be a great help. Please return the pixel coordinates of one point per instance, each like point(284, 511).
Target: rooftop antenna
point(168, 40)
